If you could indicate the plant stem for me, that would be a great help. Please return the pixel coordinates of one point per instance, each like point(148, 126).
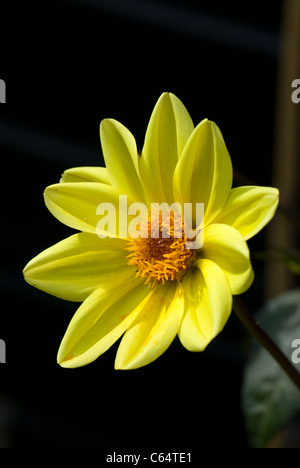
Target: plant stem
point(264, 339)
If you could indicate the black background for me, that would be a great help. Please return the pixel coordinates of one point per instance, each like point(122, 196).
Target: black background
point(67, 65)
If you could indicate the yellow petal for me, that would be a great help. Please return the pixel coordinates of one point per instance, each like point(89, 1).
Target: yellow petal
point(160, 153)
point(226, 247)
point(249, 209)
point(204, 171)
point(75, 267)
point(184, 123)
point(154, 329)
point(99, 322)
point(121, 159)
point(75, 204)
point(208, 303)
point(85, 174)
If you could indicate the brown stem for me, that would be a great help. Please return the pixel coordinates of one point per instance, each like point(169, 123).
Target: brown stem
point(264, 339)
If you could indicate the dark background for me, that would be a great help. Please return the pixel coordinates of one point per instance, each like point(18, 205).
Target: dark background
point(67, 65)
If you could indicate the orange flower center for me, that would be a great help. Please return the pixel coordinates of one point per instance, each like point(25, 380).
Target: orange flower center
point(162, 256)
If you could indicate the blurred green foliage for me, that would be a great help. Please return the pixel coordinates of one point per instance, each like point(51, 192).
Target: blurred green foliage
point(269, 398)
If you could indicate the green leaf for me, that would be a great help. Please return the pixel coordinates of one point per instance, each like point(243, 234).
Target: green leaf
point(269, 398)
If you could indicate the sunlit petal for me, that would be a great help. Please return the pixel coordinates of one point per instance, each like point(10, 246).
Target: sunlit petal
point(249, 209)
point(75, 267)
point(225, 246)
point(208, 303)
point(85, 174)
point(154, 329)
point(99, 322)
point(160, 152)
point(121, 159)
point(75, 204)
point(204, 171)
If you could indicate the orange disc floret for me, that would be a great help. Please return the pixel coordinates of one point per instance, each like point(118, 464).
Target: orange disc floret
point(163, 257)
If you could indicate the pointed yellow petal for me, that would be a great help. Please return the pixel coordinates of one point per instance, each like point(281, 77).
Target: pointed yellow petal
point(160, 153)
point(226, 247)
point(85, 174)
point(204, 171)
point(75, 204)
point(121, 159)
point(99, 322)
point(249, 209)
point(208, 303)
point(154, 329)
point(75, 267)
point(184, 123)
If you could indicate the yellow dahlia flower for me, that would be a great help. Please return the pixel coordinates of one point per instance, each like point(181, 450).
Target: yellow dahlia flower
point(150, 288)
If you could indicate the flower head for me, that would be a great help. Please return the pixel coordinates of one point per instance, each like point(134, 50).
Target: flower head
point(144, 277)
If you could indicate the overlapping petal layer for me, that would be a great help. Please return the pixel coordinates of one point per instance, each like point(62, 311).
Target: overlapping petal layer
point(154, 328)
point(100, 321)
point(75, 204)
point(85, 174)
point(121, 159)
point(204, 171)
point(168, 131)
